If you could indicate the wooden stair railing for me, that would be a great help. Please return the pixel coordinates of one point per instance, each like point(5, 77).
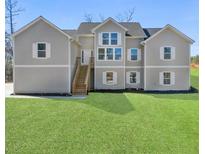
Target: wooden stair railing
point(81, 81)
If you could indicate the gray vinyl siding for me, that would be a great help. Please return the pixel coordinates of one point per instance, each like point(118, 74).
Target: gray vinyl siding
point(99, 78)
point(181, 79)
point(134, 43)
point(86, 42)
point(41, 80)
point(182, 53)
point(41, 32)
point(167, 37)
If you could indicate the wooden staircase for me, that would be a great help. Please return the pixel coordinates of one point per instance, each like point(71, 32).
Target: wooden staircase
point(81, 84)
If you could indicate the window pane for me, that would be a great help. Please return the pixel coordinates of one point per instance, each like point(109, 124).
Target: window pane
point(113, 38)
point(167, 53)
point(167, 56)
point(41, 53)
point(101, 53)
point(132, 77)
point(105, 42)
point(109, 76)
point(167, 50)
point(133, 54)
point(41, 46)
point(105, 38)
point(166, 81)
point(109, 53)
point(167, 75)
point(118, 53)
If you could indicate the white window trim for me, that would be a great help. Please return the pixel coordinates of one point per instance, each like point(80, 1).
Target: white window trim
point(109, 39)
point(113, 54)
point(137, 78)
point(36, 50)
point(129, 54)
point(114, 82)
point(172, 53)
point(171, 79)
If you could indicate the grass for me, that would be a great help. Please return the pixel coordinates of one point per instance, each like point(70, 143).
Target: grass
point(105, 123)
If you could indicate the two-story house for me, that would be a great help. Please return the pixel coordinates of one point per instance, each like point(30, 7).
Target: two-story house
point(107, 55)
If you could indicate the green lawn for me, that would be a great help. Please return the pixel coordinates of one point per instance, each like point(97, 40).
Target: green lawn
point(105, 123)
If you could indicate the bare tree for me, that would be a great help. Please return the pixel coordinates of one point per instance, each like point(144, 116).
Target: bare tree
point(12, 10)
point(127, 16)
point(8, 58)
point(88, 17)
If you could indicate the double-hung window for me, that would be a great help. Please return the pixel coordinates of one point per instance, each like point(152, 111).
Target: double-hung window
point(41, 50)
point(166, 78)
point(109, 77)
point(101, 54)
point(113, 38)
point(109, 53)
point(167, 53)
point(105, 38)
point(118, 53)
point(133, 77)
point(133, 54)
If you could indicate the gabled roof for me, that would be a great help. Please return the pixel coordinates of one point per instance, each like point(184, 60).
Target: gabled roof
point(174, 30)
point(35, 21)
point(86, 27)
point(133, 28)
point(107, 20)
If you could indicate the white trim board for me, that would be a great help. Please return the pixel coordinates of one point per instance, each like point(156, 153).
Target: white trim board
point(43, 66)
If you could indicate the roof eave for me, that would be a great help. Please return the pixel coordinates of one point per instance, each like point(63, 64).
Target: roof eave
point(36, 20)
point(104, 22)
point(191, 41)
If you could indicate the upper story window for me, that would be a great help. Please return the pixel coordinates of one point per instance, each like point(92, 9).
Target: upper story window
point(105, 38)
point(118, 53)
point(110, 38)
point(114, 54)
point(101, 54)
point(167, 53)
point(41, 50)
point(113, 38)
point(109, 53)
point(134, 54)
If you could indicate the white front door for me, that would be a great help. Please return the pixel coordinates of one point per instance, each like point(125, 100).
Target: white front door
point(85, 56)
